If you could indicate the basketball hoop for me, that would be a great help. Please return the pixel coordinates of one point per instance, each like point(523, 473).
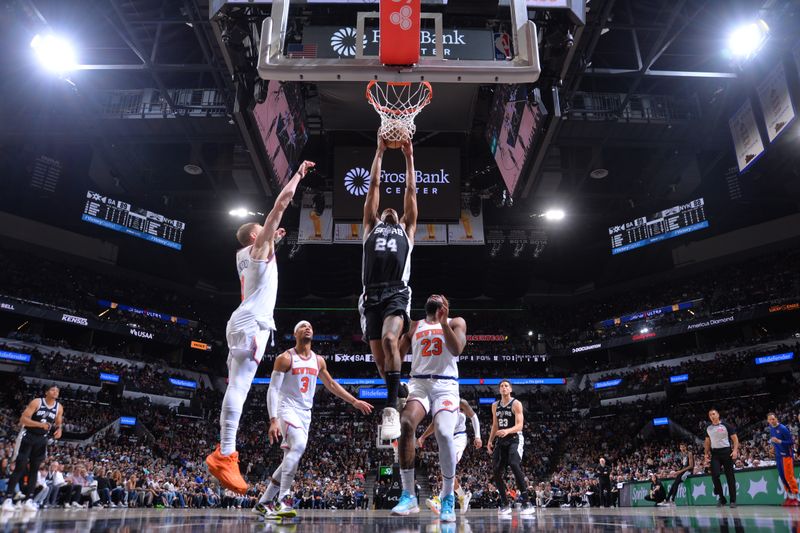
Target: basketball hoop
point(398, 103)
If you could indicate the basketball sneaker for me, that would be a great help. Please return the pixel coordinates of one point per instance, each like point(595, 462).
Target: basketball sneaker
point(448, 513)
point(8, 506)
point(30, 506)
point(504, 511)
point(390, 424)
point(406, 506)
point(265, 510)
point(465, 502)
point(226, 469)
point(433, 504)
point(286, 510)
point(528, 511)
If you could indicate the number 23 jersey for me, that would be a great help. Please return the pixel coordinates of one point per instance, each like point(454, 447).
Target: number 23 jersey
point(430, 355)
point(387, 256)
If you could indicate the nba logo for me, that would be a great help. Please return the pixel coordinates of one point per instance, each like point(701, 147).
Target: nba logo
point(502, 46)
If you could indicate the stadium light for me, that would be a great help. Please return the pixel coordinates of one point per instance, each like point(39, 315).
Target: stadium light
point(554, 214)
point(530, 333)
point(55, 54)
point(644, 330)
point(239, 212)
point(746, 40)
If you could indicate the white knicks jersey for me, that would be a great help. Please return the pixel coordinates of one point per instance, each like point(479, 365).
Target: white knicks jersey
point(461, 423)
point(429, 353)
point(259, 286)
point(300, 382)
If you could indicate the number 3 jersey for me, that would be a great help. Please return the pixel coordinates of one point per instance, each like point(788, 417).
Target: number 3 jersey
point(300, 382)
point(430, 356)
point(387, 256)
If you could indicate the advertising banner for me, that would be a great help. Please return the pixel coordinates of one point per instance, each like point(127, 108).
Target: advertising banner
point(315, 228)
point(347, 234)
point(776, 103)
point(438, 178)
point(430, 234)
point(759, 486)
point(469, 229)
point(746, 139)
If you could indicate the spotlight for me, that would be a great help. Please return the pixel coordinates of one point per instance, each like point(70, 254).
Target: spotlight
point(530, 333)
point(239, 212)
point(644, 330)
point(746, 40)
point(554, 214)
point(55, 53)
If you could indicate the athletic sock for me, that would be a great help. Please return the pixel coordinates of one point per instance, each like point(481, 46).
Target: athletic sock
point(407, 477)
point(270, 493)
point(392, 384)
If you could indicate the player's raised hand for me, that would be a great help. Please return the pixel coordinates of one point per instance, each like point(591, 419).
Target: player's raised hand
point(443, 312)
point(305, 166)
point(382, 146)
point(364, 407)
point(408, 148)
point(274, 432)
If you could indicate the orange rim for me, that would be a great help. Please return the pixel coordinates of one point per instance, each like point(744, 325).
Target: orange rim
point(389, 111)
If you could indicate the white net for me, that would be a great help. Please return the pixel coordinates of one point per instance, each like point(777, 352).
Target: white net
point(398, 104)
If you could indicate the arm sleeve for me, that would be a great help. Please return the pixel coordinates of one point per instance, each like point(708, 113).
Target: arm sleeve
point(476, 425)
point(273, 394)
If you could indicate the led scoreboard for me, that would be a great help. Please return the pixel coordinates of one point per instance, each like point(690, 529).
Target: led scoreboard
point(663, 225)
point(123, 217)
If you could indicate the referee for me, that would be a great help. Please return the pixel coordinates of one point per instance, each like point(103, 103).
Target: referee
point(722, 449)
point(38, 420)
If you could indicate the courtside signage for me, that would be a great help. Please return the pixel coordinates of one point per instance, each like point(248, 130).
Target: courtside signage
point(777, 358)
point(15, 357)
point(373, 393)
point(485, 401)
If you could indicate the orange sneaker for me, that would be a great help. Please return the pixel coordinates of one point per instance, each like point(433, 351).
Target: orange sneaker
point(226, 469)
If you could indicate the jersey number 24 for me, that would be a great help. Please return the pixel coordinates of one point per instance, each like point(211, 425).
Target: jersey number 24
point(382, 244)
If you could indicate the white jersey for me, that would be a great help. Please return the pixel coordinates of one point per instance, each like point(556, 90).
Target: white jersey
point(259, 283)
point(300, 382)
point(461, 423)
point(429, 353)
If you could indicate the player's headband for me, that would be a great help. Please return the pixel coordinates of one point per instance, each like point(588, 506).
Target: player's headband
point(301, 324)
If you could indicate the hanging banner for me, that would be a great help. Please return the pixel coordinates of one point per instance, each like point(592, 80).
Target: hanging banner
point(429, 234)
point(469, 230)
point(746, 139)
point(776, 102)
point(316, 228)
point(347, 234)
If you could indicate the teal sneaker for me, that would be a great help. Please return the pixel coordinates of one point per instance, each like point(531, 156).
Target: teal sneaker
point(448, 513)
point(407, 505)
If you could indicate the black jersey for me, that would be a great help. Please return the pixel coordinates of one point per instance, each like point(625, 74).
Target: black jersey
point(44, 414)
point(387, 256)
point(506, 419)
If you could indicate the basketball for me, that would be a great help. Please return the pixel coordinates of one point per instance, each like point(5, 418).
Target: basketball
point(395, 133)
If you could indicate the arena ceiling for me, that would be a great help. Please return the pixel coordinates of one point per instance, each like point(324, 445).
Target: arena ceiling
point(661, 55)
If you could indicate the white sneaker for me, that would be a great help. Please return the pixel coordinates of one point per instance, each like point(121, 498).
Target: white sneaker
point(528, 510)
point(76, 505)
point(8, 506)
point(390, 424)
point(465, 502)
point(504, 512)
point(112, 505)
point(30, 505)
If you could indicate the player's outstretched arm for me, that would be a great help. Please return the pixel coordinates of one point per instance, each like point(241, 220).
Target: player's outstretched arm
point(339, 391)
point(264, 240)
point(410, 199)
point(425, 434)
point(282, 365)
point(373, 199)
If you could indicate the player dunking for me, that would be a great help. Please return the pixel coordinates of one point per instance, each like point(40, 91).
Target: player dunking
point(460, 440)
point(435, 342)
point(289, 400)
point(249, 328)
point(386, 301)
point(507, 422)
